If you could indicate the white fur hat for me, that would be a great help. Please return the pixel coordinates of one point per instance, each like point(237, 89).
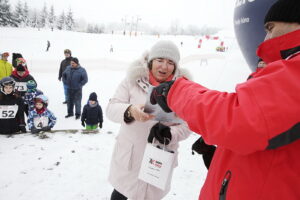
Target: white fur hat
point(165, 49)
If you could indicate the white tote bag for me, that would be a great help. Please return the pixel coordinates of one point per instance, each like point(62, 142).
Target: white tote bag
point(156, 166)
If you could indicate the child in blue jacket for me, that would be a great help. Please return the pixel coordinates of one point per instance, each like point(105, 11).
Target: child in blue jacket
point(41, 118)
point(29, 96)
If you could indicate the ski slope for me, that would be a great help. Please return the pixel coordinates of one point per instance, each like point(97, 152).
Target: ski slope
point(75, 166)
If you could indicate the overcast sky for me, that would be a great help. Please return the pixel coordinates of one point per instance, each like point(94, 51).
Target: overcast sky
point(154, 12)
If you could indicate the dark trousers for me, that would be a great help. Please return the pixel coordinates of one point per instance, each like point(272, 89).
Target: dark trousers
point(74, 98)
point(26, 107)
point(115, 195)
point(66, 91)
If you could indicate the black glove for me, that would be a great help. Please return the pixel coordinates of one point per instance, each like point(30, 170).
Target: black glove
point(160, 132)
point(83, 123)
point(35, 130)
point(159, 95)
point(46, 128)
point(206, 150)
point(100, 125)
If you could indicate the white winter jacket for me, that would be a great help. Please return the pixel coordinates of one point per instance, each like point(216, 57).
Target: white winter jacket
point(132, 138)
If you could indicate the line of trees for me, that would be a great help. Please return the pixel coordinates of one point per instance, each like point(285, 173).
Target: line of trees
point(22, 16)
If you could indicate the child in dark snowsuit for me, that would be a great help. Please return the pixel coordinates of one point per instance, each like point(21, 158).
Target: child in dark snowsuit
point(92, 113)
point(11, 108)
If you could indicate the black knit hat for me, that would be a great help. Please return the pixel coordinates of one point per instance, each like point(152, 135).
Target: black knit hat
point(75, 60)
point(284, 11)
point(93, 96)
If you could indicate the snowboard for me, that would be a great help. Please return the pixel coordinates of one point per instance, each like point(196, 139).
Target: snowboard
point(84, 131)
point(43, 134)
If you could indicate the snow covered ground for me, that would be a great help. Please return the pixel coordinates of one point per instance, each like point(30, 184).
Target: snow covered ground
point(75, 166)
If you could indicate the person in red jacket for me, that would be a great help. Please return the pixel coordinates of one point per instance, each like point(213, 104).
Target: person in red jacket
point(21, 75)
point(257, 127)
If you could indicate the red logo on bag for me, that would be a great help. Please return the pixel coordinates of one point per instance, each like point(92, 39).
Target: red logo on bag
point(155, 163)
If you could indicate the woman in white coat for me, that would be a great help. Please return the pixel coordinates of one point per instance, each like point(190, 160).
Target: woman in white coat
point(126, 108)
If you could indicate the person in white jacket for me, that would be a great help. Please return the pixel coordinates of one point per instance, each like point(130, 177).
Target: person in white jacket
point(126, 108)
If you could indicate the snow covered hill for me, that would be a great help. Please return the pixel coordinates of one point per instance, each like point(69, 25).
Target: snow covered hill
point(75, 166)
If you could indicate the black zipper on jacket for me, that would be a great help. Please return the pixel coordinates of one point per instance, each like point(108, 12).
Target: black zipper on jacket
point(224, 185)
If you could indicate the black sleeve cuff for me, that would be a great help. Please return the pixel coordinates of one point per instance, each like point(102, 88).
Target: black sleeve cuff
point(128, 118)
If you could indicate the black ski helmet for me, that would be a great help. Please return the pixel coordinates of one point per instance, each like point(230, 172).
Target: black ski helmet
point(7, 81)
point(249, 29)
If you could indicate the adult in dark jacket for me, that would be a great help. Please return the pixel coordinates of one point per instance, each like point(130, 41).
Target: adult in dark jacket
point(63, 65)
point(21, 75)
point(256, 128)
point(75, 77)
point(92, 113)
point(11, 108)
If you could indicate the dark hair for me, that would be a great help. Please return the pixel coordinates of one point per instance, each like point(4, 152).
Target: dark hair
point(75, 60)
point(150, 65)
point(67, 51)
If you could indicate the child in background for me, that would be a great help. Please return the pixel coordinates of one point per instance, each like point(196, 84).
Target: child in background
point(21, 75)
point(40, 118)
point(260, 65)
point(29, 96)
point(92, 113)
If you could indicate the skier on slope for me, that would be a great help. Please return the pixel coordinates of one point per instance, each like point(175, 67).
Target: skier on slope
point(48, 45)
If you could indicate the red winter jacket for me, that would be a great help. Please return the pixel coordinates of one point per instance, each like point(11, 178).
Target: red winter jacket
point(256, 129)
